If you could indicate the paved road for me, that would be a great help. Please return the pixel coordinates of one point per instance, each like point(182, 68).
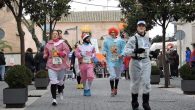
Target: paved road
point(161, 98)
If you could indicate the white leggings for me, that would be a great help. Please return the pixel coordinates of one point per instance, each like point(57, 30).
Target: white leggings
point(56, 77)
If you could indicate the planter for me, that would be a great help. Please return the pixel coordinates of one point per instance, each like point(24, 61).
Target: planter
point(41, 83)
point(155, 79)
point(15, 97)
point(188, 86)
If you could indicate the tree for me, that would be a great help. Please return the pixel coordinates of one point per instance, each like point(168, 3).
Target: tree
point(16, 7)
point(1, 4)
point(157, 38)
point(133, 13)
point(162, 12)
point(50, 11)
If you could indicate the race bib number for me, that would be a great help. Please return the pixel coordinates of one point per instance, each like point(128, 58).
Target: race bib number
point(56, 60)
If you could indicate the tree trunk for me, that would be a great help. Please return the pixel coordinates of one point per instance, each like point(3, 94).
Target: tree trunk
point(44, 31)
point(34, 37)
point(50, 27)
point(165, 64)
point(31, 29)
point(22, 45)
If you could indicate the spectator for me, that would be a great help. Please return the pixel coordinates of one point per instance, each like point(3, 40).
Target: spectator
point(2, 64)
point(40, 62)
point(174, 63)
point(159, 62)
point(192, 58)
point(29, 61)
point(188, 54)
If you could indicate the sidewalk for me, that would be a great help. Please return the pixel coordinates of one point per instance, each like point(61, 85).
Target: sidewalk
point(161, 98)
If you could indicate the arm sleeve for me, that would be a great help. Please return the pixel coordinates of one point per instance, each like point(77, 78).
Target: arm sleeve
point(78, 53)
point(104, 47)
point(93, 52)
point(129, 47)
point(122, 44)
point(66, 49)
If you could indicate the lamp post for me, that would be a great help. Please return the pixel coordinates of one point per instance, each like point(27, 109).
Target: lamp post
point(74, 28)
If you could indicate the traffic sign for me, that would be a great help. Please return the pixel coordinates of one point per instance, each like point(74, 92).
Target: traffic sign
point(180, 35)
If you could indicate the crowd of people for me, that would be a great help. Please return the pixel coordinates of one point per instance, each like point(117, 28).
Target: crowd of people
point(130, 56)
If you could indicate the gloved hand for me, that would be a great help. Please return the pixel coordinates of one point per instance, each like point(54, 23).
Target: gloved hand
point(61, 54)
point(139, 50)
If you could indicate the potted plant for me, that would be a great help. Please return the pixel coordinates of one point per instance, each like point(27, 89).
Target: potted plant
point(16, 95)
point(188, 79)
point(155, 75)
point(41, 79)
point(30, 75)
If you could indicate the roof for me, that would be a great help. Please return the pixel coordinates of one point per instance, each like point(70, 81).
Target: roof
point(93, 16)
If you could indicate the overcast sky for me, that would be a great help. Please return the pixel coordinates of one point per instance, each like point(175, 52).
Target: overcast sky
point(112, 5)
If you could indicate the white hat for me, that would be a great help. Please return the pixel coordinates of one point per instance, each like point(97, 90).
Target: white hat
point(85, 36)
point(141, 22)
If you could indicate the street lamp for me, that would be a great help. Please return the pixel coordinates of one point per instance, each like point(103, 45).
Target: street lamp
point(74, 28)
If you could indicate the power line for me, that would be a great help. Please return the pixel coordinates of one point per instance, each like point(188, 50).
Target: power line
point(94, 4)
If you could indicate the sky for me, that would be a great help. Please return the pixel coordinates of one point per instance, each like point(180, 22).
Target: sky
point(112, 5)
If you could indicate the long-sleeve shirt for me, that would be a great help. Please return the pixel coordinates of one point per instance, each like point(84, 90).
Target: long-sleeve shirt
point(188, 54)
point(85, 53)
point(59, 46)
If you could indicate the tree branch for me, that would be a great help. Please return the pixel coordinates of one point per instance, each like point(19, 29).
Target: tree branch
point(54, 24)
point(39, 25)
point(8, 3)
point(168, 23)
point(20, 8)
point(156, 21)
point(25, 22)
point(16, 2)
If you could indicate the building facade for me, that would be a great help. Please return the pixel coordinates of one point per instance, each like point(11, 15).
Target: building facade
point(98, 21)
point(189, 29)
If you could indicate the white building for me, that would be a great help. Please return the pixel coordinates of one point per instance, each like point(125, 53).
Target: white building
point(189, 29)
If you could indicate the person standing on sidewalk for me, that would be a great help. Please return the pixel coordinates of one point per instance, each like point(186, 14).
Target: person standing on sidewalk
point(56, 53)
point(112, 50)
point(188, 54)
point(85, 54)
point(2, 64)
point(192, 58)
point(140, 66)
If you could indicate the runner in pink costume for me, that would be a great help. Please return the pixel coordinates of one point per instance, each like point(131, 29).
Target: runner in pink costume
point(85, 53)
point(56, 52)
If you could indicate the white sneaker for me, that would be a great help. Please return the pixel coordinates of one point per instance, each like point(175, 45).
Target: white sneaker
point(54, 103)
point(61, 96)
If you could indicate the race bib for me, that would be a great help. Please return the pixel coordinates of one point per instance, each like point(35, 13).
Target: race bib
point(56, 60)
point(86, 59)
point(114, 58)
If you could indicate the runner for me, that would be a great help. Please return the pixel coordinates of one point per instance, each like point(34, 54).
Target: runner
point(56, 53)
point(138, 47)
point(85, 54)
point(112, 50)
